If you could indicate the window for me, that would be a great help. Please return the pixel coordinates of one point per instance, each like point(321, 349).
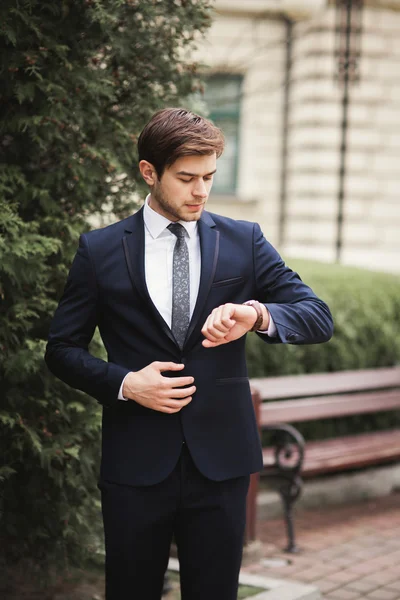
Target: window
point(222, 96)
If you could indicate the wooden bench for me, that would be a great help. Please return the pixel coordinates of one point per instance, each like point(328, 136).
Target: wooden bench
point(281, 401)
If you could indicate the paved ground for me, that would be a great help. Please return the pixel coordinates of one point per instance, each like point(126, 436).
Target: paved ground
point(349, 552)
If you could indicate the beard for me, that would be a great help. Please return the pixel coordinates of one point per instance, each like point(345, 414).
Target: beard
point(170, 209)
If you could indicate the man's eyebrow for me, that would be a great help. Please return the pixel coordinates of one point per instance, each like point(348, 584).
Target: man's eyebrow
point(195, 174)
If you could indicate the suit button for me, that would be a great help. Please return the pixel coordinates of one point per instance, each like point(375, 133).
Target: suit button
point(183, 360)
point(291, 336)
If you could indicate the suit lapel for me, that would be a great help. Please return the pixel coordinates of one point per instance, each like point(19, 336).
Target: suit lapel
point(209, 246)
point(133, 244)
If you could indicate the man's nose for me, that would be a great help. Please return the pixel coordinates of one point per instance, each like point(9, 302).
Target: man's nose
point(200, 190)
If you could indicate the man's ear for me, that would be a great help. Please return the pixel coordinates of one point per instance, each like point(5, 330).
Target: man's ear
point(148, 172)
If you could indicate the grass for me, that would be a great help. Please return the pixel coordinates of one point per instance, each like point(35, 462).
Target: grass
point(245, 591)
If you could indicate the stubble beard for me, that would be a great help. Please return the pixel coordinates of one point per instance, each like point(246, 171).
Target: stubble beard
point(171, 210)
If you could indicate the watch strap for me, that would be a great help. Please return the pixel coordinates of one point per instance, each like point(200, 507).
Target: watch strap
point(257, 306)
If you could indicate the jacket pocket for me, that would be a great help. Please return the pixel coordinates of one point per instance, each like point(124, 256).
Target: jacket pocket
point(230, 281)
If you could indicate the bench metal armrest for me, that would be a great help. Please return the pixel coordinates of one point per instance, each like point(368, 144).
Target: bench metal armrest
point(288, 448)
point(289, 455)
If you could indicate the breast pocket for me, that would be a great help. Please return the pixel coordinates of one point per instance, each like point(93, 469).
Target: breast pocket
point(230, 281)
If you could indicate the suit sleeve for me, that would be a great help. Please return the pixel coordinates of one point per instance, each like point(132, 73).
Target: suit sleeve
point(299, 315)
point(71, 331)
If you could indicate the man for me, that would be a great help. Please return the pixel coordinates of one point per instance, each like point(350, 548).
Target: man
point(168, 288)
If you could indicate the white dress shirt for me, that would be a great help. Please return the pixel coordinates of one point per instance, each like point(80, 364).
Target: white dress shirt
point(159, 245)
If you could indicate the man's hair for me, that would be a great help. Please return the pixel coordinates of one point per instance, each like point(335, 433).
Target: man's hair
point(175, 132)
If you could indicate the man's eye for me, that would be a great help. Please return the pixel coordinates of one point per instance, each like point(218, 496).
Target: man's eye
point(186, 180)
point(208, 178)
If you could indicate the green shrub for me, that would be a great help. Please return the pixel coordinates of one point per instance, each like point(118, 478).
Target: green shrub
point(366, 310)
point(78, 80)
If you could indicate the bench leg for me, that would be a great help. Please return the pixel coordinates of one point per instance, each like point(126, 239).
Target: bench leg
point(290, 491)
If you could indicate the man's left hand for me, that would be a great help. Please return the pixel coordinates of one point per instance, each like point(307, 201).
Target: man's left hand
point(229, 322)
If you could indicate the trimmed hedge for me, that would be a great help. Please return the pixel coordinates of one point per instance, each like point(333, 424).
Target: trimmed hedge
point(366, 310)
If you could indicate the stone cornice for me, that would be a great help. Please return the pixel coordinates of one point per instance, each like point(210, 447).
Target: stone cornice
point(292, 8)
point(295, 9)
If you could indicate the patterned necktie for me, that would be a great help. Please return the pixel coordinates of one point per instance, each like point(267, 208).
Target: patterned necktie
point(180, 285)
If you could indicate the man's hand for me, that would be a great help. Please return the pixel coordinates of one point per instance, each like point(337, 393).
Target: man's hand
point(165, 394)
point(229, 322)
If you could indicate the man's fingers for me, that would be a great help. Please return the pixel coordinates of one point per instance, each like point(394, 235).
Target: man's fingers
point(153, 390)
point(174, 406)
point(176, 382)
point(219, 323)
point(210, 344)
point(208, 327)
point(182, 392)
point(178, 404)
point(167, 366)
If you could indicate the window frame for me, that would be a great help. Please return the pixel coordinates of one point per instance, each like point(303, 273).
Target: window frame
point(233, 114)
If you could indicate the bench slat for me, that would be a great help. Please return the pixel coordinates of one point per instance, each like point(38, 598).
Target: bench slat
point(321, 451)
point(295, 411)
point(365, 445)
point(358, 460)
point(341, 454)
point(298, 386)
point(318, 396)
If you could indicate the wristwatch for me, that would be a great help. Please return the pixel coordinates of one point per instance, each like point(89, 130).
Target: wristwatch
point(257, 306)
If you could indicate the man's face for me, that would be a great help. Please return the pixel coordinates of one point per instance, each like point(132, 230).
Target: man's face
point(184, 187)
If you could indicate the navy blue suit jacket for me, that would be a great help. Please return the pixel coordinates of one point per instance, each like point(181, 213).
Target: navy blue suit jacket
point(106, 288)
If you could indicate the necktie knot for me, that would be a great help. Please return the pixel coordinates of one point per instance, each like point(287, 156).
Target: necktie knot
point(178, 230)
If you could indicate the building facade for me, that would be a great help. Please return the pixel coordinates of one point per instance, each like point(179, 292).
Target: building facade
point(313, 159)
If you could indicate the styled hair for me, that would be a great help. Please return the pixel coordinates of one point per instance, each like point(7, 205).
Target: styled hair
point(175, 132)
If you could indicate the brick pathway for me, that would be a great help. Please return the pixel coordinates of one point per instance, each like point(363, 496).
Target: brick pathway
point(349, 552)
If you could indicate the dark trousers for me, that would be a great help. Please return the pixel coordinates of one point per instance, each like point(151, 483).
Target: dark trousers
point(206, 518)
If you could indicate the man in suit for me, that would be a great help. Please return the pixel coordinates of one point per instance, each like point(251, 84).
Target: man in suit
point(173, 290)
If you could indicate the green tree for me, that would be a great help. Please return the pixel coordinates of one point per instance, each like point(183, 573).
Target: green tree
point(79, 78)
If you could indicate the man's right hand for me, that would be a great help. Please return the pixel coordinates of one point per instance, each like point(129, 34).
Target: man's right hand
point(150, 389)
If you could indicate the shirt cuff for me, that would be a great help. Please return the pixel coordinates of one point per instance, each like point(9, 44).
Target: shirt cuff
point(120, 395)
point(271, 331)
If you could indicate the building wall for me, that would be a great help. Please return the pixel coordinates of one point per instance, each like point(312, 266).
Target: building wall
point(372, 231)
point(372, 184)
point(255, 46)
point(313, 141)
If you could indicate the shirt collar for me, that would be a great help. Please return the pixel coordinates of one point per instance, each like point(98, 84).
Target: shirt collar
point(156, 223)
